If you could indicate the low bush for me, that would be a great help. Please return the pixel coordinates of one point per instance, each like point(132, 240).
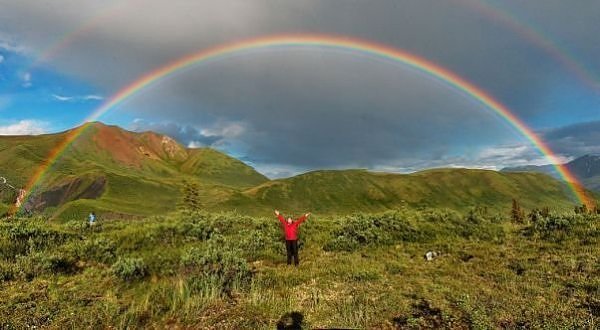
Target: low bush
point(40, 263)
point(218, 265)
point(129, 269)
point(100, 249)
point(21, 237)
point(556, 227)
point(7, 272)
point(407, 226)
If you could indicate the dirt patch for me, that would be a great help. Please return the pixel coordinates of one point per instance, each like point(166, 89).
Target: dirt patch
point(121, 147)
point(72, 190)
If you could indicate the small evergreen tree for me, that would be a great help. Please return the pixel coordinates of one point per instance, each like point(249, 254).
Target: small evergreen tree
point(517, 213)
point(191, 196)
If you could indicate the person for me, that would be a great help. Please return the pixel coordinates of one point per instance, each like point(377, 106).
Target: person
point(92, 218)
point(290, 229)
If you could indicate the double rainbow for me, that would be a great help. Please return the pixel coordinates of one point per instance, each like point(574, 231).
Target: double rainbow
point(528, 32)
point(330, 42)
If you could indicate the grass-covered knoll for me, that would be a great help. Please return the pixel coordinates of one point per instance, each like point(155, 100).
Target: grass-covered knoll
point(213, 166)
point(227, 270)
point(347, 191)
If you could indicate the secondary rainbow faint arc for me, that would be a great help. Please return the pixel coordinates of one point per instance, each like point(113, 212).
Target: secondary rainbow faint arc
point(322, 41)
point(529, 33)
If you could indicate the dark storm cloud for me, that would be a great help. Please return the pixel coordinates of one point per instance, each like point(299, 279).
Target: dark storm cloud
point(303, 109)
point(294, 115)
point(575, 140)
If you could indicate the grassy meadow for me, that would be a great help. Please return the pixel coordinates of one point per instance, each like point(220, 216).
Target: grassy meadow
point(228, 271)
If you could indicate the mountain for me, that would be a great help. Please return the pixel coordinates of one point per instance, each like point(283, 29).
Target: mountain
point(117, 171)
point(120, 173)
point(585, 168)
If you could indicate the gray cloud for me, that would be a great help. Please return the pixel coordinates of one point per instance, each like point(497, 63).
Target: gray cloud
point(298, 109)
point(293, 115)
point(575, 140)
point(120, 41)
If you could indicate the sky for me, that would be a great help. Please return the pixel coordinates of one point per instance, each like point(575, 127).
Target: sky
point(286, 111)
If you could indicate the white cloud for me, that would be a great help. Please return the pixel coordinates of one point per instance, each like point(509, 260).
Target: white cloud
point(8, 45)
point(488, 158)
point(196, 144)
point(24, 127)
point(26, 80)
point(77, 98)
point(224, 129)
point(93, 97)
point(62, 98)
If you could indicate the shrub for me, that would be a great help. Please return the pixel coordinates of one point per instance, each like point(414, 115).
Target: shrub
point(7, 272)
point(217, 264)
point(25, 236)
point(341, 243)
point(258, 243)
point(102, 250)
point(200, 230)
point(359, 229)
point(417, 227)
point(39, 263)
point(558, 227)
point(129, 269)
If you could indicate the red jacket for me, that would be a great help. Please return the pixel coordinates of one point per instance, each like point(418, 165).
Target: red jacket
point(291, 230)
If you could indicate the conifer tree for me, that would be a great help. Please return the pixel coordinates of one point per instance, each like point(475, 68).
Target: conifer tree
point(517, 213)
point(191, 196)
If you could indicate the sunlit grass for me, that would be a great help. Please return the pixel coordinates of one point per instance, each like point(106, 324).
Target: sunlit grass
point(228, 271)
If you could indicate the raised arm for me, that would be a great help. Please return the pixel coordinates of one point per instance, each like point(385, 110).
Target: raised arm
point(280, 217)
point(302, 218)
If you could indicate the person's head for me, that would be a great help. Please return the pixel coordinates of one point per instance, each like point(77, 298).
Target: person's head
point(289, 220)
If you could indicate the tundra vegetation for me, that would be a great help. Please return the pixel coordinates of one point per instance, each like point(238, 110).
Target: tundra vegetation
point(226, 270)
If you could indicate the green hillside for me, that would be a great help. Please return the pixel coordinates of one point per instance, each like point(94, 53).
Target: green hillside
point(116, 172)
point(216, 167)
point(359, 190)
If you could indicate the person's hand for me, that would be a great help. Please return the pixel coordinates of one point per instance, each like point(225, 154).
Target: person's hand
point(276, 212)
point(307, 214)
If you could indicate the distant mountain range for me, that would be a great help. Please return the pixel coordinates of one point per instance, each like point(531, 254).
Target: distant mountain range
point(585, 168)
point(117, 172)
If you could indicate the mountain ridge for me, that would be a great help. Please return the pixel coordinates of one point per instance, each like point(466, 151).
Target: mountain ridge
point(115, 171)
point(585, 168)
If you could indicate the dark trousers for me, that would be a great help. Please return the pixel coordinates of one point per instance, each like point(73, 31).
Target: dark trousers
point(292, 252)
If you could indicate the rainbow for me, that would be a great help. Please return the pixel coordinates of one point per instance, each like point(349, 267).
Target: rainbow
point(65, 40)
point(561, 55)
point(328, 42)
point(68, 38)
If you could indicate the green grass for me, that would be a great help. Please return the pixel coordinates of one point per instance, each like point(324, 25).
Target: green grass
point(343, 192)
point(227, 271)
point(147, 182)
point(144, 176)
